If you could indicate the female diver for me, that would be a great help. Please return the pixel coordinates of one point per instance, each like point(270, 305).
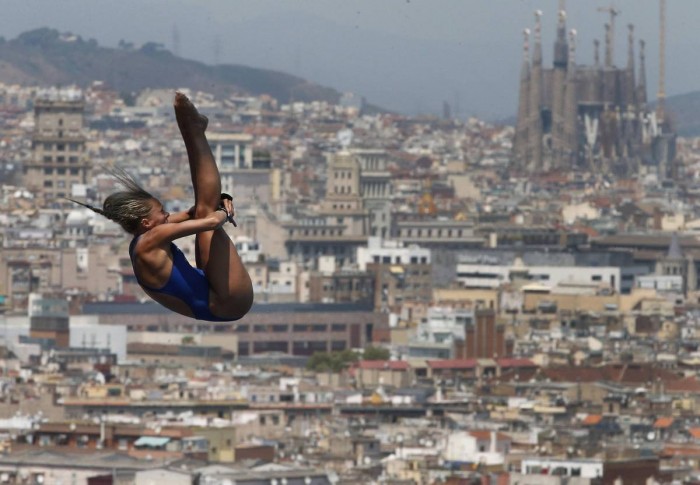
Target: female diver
point(219, 288)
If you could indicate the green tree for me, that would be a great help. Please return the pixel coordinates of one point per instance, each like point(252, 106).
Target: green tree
point(331, 361)
point(376, 353)
point(187, 340)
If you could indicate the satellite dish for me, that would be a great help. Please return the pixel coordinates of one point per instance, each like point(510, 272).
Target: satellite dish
point(344, 137)
point(651, 436)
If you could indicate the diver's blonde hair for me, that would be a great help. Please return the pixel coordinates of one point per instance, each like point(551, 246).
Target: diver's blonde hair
point(127, 207)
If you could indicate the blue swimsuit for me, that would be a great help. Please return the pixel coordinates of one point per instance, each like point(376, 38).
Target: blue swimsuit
point(186, 283)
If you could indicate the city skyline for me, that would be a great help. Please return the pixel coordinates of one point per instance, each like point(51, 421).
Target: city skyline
point(402, 55)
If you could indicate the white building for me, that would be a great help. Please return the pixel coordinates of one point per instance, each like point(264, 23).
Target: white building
point(484, 275)
point(385, 251)
point(85, 332)
point(586, 468)
point(443, 325)
point(248, 249)
point(484, 447)
point(661, 283)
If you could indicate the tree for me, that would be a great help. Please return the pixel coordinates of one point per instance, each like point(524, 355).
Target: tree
point(187, 340)
point(376, 353)
point(331, 361)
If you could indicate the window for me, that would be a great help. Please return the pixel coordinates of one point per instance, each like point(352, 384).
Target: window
point(338, 345)
point(83, 441)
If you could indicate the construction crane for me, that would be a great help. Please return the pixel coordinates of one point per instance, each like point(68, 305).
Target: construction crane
point(610, 34)
point(661, 95)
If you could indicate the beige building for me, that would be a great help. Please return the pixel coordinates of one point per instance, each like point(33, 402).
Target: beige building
point(59, 160)
point(23, 270)
point(340, 226)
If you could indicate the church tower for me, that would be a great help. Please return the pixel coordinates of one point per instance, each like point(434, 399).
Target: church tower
point(561, 54)
point(535, 126)
point(520, 144)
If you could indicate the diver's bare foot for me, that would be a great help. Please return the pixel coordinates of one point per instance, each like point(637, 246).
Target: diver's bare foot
point(187, 115)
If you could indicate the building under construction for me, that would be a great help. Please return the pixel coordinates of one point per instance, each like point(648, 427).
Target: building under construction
point(593, 118)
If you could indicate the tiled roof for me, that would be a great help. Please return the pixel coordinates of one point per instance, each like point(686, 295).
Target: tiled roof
point(663, 422)
point(592, 420)
point(688, 384)
point(507, 363)
point(638, 374)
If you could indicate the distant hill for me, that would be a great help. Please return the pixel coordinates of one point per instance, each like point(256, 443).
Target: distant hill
point(684, 113)
point(47, 57)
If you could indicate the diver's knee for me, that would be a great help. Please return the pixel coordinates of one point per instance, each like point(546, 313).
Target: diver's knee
point(203, 210)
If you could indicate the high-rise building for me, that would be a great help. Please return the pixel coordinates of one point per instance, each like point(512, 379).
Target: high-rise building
point(59, 159)
point(375, 189)
point(484, 338)
point(592, 117)
point(340, 225)
point(48, 319)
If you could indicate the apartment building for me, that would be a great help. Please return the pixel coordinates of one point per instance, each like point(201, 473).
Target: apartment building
point(59, 160)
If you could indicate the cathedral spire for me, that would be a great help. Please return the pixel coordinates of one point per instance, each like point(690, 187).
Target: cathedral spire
point(520, 144)
point(560, 46)
point(608, 45)
point(525, 70)
point(630, 47)
point(535, 126)
point(571, 104)
point(596, 52)
point(537, 55)
point(642, 85)
point(630, 87)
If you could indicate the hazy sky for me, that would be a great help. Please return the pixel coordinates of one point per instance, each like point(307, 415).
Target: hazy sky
point(407, 55)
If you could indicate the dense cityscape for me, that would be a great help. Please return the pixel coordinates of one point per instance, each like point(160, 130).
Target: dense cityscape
point(437, 300)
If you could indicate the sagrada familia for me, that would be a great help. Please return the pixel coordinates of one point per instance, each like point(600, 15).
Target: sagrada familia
point(594, 118)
